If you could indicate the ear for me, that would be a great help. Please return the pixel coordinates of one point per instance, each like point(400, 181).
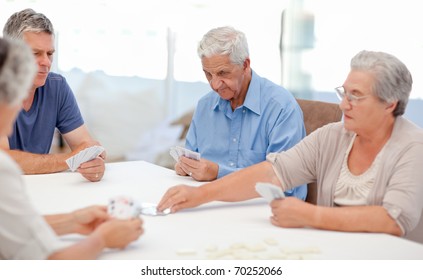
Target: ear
point(391, 106)
point(246, 63)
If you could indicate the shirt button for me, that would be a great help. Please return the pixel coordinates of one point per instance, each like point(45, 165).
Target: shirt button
point(234, 139)
point(231, 164)
point(243, 111)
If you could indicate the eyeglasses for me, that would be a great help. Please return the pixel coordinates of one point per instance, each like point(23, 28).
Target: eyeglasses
point(352, 99)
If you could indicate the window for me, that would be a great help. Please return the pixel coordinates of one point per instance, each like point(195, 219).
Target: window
point(135, 38)
point(343, 28)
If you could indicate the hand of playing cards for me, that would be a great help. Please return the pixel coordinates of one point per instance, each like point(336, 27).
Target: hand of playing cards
point(83, 156)
point(123, 208)
point(177, 152)
point(269, 191)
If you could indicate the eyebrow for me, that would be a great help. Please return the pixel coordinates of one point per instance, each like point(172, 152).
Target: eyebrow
point(42, 50)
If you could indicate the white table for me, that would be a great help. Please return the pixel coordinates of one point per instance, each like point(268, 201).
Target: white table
point(217, 230)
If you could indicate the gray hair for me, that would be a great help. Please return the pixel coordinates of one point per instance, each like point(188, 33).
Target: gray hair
point(27, 21)
point(393, 80)
point(17, 71)
point(224, 41)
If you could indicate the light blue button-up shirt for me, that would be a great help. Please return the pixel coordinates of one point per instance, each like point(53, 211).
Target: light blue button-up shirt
point(270, 120)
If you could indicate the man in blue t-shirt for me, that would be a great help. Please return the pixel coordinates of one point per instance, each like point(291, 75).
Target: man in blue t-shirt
point(50, 105)
point(243, 118)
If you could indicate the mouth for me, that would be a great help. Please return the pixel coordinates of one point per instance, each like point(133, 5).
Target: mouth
point(42, 74)
point(219, 90)
point(347, 117)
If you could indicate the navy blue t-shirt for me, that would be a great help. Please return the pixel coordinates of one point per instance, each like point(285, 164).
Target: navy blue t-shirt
point(54, 106)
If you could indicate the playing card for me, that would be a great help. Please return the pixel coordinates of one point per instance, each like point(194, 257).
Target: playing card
point(123, 208)
point(190, 154)
point(269, 191)
point(174, 153)
point(177, 151)
point(150, 209)
point(85, 155)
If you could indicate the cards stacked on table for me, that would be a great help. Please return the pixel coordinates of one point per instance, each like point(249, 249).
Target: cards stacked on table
point(83, 156)
point(269, 191)
point(150, 209)
point(177, 151)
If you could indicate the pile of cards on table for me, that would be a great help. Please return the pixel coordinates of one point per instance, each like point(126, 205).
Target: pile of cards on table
point(84, 156)
point(177, 151)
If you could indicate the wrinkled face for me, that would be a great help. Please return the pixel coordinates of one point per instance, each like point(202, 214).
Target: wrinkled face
point(8, 115)
point(366, 114)
point(227, 79)
point(42, 45)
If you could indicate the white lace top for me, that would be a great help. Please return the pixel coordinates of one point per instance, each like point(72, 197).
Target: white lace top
point(353, 190)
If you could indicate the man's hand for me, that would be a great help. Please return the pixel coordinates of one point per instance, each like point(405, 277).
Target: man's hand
point(200, 170)
point(92, 170)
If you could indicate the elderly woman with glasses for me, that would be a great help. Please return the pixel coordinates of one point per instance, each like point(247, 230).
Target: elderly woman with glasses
point(367, 168)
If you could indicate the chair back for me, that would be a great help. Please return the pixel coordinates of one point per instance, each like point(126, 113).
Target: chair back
point(317, 114)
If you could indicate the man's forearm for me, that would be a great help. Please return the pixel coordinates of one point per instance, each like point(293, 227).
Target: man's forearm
point(61, 223)
point(39, 164)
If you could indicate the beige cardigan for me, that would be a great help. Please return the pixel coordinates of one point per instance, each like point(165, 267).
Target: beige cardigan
point(24, 234)
point(399, 180)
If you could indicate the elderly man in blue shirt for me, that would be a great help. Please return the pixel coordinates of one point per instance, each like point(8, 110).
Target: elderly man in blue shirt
point(243, 118)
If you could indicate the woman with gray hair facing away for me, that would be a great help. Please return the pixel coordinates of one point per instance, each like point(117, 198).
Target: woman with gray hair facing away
point(24, 234)
point(367, 168)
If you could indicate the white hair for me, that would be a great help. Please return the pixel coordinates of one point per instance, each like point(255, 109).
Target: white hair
point(224, 41)
point(393, 80)
point(17, 71)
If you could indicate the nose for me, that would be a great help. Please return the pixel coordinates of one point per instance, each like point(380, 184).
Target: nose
point(215, 83)
point(344, 104)
point(44, 60)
